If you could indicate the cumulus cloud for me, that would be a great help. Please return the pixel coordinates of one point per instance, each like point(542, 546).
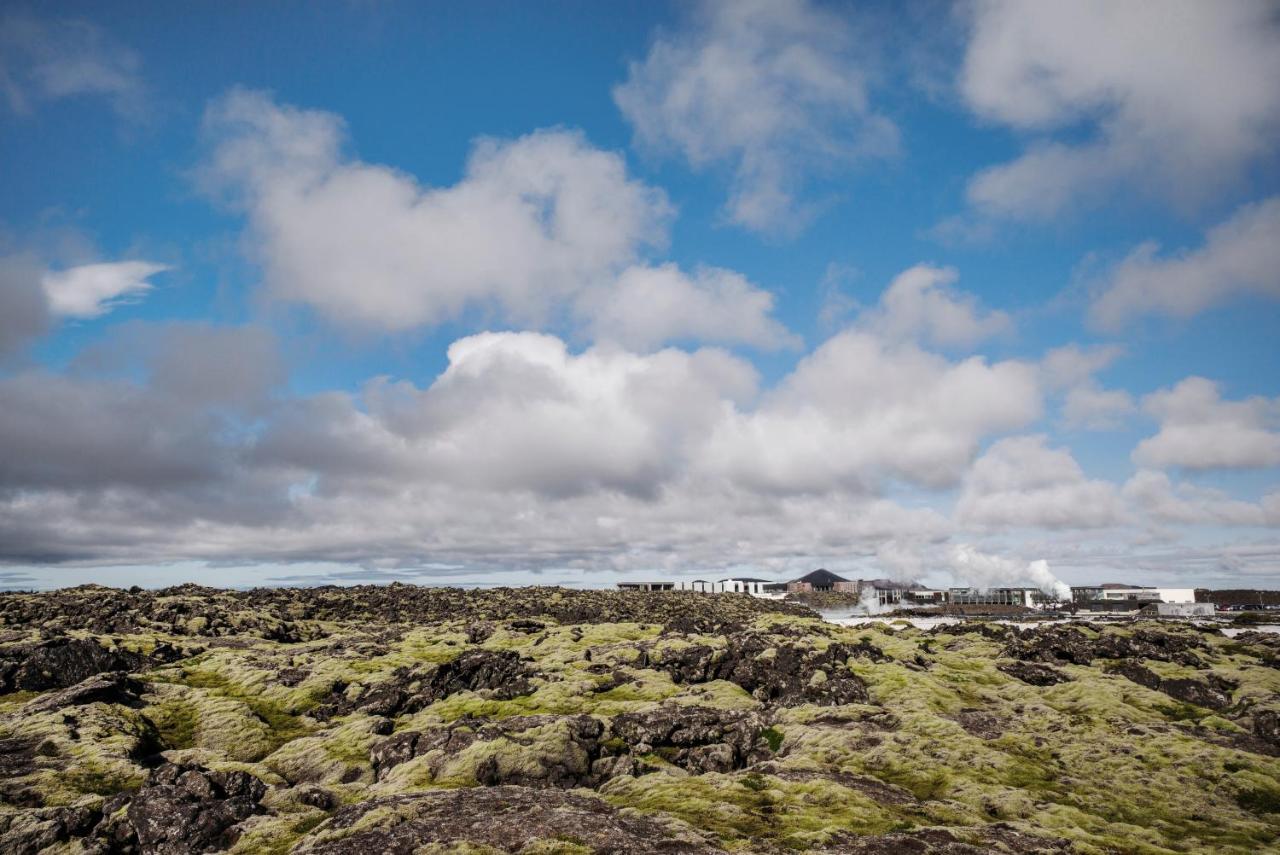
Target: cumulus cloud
point(1091, 407)
point(1195, 111)
point(539, 228)
point(1199, 430)
point(1086, 404)
point(858, 410)
point(1072, 365)
point(44, 59)
point(90, 290)
point(533, 221)
point(647, 306)
point(1021, 481)
point(178, 442)
point(774, 91)
point(921, 305)
point(1187, 504)
point(1240, 256)
point(181, 442)
point(518, 411)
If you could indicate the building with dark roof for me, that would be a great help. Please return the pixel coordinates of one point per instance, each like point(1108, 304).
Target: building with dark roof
point(822, 579)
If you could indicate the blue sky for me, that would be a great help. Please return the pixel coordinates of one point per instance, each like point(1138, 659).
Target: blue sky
point(574, 292)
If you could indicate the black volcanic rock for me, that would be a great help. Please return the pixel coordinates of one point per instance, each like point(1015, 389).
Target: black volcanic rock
point(186, 808)
point(506, 818)
point(60, 662)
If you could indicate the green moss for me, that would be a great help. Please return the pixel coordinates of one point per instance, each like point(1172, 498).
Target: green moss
point(97, 780)
point(16, 699)
point(773, 737)
point(176, 722)
point(743, 811)
point(1183, 712)
point(276, 835)
point(923, 784)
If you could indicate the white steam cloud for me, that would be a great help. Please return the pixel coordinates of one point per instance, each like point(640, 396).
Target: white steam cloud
point(982, 570)
point(869, 603)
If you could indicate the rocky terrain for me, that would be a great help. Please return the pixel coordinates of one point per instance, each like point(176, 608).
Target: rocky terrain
point(415, 720)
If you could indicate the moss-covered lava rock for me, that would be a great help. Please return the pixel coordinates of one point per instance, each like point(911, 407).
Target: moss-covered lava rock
point(403, 719)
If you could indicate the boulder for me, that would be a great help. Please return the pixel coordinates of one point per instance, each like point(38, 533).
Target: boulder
point(185, 808)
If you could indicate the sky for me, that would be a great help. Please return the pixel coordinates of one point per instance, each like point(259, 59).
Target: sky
point(573, 292)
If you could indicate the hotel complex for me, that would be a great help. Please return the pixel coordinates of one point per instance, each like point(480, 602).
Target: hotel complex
point(884, 592)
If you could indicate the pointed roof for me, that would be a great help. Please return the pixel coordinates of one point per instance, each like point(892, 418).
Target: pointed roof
point(821, 578)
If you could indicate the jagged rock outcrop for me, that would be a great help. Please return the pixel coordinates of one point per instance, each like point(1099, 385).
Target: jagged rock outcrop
point(1034, 673)
point(580, 751)
point(780, 674)
point(185, 808)
point(112, 687)
point(1058, 643)
point(501, 675)
point(288, 614)
point(61, 662)
point(1213, 692)
point(505, 818)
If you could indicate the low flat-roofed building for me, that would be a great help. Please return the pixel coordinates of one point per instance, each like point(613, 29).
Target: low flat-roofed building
point(1086, 593)
point(1027, 597)
point(647, 586)
point(1185, 609)
point(1151, 595)
point(924, 596)
point(744, 585)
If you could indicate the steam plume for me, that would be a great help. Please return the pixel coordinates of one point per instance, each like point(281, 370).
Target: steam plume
point(982, 570)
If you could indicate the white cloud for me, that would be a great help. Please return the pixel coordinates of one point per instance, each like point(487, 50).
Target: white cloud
point(43, 59)
point(858, 410)
point(647, 306)
point(920, 305)
point(1240, 256)
point(1090, 407)
point(1020, 481)
point(1086, 404)
point(518, 411)
point(1199, 430)
point(1072, 365)
point(1187, 504)
point(180, 442)
point(534, 221)
point(539, 228)
point(776, 91)
point(520, 453)
point(91, 290)
point(1179, 94)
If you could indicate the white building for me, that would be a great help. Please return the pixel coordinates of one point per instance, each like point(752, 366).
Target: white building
point(646, 586)
point(1025, 597)
point(1185, 609)
point(738, 585)
point(744, 585)
point(1151, 595)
